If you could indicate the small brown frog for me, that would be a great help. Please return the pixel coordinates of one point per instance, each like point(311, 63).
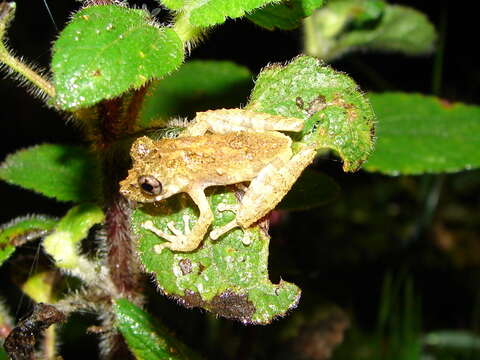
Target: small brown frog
point(220, 147)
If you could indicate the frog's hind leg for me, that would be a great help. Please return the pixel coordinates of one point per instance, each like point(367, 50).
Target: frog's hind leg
point(267, 189)
point(227, 120)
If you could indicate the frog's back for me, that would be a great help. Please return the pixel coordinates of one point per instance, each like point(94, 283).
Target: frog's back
point(228, 158)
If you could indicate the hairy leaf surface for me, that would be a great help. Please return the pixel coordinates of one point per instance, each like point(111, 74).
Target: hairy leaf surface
point(286, 15)
point(107, 50)
point(337, 115)
point(205, 13)
point(224, 276)
point(21, 230)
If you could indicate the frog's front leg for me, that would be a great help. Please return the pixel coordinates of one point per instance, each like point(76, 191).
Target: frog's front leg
point(267, 189)
point(189, 240)
point(227, 120)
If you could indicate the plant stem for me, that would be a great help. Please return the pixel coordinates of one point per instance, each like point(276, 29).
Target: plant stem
point(187, 32)
point(49, 343)
point(7, 11)
point(439, 54)
point(310, 43)
point(16, 66)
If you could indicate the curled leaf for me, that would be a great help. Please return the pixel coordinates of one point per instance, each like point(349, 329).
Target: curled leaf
point(337, 114)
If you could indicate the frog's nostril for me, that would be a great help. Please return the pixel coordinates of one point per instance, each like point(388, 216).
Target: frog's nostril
point(150, 185)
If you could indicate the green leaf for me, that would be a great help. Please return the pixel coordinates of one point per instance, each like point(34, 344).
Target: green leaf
point(205, 13)
point(453, 339)
point(62, 244)
point(287, 15)
point(107, 50)
point(63, 172)
point(348, 25)
point(197, 86)
point(173, 4)
point(224, 276)
point(3, 354)
point(420, 134)
point(21, 230)
point(337, 115)
point(311, 190)
point(146, 338)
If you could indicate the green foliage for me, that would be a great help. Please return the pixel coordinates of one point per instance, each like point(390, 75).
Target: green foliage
point(398, 334)
point(205, 13)
point(343, 26)
point(198, 85)
point(3, 354)
point(420, 134)
point(146, 338)
point(286, 15)
point(224, 276)
point(62, 244)
point(63, 172)
point(173, 4)
point(455, 339)
point(21, 230)
point(108, 50)
point(311, 190)
point(337, 115)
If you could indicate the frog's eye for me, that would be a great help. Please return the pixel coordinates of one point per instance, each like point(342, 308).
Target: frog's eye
point(149, 185)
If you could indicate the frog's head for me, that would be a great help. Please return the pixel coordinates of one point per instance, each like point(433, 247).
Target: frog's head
point(148, 180)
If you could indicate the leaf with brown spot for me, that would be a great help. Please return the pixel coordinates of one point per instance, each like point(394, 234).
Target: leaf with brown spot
point(225, 276)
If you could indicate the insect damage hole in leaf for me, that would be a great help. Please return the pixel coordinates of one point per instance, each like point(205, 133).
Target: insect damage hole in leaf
point(224, 276)
point(229, 276)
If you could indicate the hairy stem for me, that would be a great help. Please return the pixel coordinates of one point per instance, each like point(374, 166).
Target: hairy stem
point(187, 32)
point(26, 72)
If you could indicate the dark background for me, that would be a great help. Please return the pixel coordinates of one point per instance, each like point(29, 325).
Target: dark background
point(367, 249)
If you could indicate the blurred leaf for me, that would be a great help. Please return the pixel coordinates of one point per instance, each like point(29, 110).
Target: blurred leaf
point(6, 324)
point(62, 244)
point(198, 85)
point(204, 13)
point(420, 134)
point(337, 115)
point(311, 190)
point(460, 339)
point(172, 4)
point(224, 276)
point(21, 230)
point(348, 25)
point(287, 15)
point(39, 287)
point(107, 50)
point(146, 338)
point(3, 354)
point(63, 172)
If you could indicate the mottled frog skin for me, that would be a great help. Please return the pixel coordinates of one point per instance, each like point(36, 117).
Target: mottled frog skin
point(220, 147)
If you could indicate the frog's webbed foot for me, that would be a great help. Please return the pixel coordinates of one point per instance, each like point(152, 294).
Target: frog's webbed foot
point(215, 234)
point(178, 240)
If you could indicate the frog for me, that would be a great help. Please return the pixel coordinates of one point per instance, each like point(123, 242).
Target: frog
point(218, 148)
